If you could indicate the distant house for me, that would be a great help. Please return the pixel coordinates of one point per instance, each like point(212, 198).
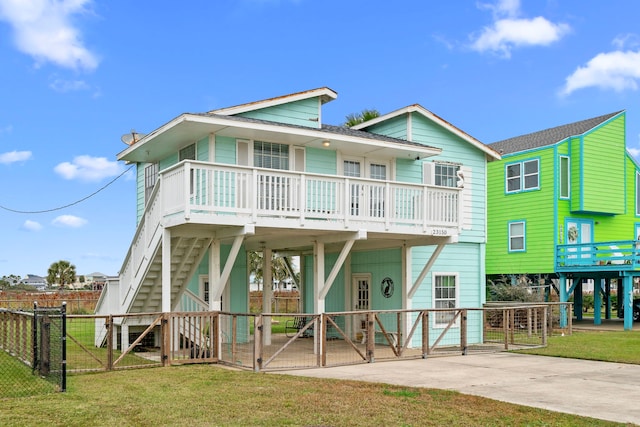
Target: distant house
point(94, 281)
point(38, 282)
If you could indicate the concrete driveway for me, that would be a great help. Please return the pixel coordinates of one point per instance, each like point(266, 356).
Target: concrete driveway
point(608, 391)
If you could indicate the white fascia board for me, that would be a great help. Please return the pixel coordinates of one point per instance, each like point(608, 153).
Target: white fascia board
point(325, 94)
point(416, 108)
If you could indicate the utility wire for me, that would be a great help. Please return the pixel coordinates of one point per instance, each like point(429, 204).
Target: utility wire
point(70, 204)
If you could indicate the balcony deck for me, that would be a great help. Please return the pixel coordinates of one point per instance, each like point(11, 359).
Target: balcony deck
point(208, 193)
point(618, 255)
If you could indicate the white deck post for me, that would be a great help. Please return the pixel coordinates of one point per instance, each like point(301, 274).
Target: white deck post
point(166, 270)
point(214, 275)
point(267, 294)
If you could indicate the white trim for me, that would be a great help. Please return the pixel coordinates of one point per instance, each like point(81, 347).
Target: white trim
point(456, 276)
point(416, 108)
point(212, 147)
point(325, 94)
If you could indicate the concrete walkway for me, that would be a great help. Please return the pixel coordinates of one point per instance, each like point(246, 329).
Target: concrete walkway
point(608, 391)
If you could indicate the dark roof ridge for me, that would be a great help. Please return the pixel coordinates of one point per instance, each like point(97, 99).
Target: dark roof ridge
point(549, 136)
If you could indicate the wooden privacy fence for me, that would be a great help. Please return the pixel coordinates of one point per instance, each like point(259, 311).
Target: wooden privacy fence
point(277, 341)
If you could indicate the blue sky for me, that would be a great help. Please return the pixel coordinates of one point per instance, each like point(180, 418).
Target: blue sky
point(78, 74)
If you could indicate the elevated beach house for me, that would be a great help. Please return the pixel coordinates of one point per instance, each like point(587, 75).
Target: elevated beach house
point(564, 211)
point(389, 214)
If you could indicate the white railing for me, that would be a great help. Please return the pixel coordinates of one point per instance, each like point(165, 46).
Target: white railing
point(219, 189)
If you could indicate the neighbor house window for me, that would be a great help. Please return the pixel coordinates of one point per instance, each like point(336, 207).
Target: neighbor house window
point(523, 176)
point(564, 177)
point(516, 236)
point(270, 155)
point(445, 175)
point(150, 178)
point(638, 193)
point(445, 292)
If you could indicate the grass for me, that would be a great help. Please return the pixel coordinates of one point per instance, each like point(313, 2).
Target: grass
point(623, 346)
point(18, 381)
point(200, 395)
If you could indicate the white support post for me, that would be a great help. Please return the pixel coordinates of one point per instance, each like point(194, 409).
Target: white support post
point(318, 284)
point(166, 270)
point(214, 275)
point(267, 294)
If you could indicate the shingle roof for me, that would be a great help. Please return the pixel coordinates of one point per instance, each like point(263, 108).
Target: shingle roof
point(549, 136)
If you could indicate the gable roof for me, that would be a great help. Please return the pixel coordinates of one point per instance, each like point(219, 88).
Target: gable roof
point(549, 136)
point(324, 93)
point(417, 108)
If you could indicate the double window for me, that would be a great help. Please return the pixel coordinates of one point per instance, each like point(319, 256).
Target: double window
point(270, 155)
point(445, 175)
point(445, 296)
point(517, 236)
point(523, 176)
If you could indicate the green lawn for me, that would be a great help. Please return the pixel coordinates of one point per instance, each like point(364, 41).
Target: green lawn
point(204, 395)
point(16, 379)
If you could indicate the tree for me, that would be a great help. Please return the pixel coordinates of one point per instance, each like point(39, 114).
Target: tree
point(61, 273)
point(354, 119)
point(279, 270)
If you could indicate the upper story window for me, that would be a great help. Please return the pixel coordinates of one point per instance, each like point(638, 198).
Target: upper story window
point(638, 194)
point(445, 175)
point(150, 178)
point(565, 186)
point(270, 155)
point(523, 176)
point(188, 153)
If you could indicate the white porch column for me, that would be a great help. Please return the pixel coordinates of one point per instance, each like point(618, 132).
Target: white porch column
point(318, 277)
point(124, 336)
point(267, 294)
point(214, 275)
point(166, 270)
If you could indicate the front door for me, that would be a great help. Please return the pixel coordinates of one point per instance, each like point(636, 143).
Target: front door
point(579, 232)
point(361, 287)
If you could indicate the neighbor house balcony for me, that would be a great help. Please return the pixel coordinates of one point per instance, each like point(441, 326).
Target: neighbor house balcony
point(618, 255)
point(212, 193)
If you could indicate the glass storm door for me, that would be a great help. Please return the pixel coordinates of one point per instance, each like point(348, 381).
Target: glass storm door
point(580, 232)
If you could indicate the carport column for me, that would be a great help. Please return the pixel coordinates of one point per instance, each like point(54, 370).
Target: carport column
point(562, 284)
point(598, 286)
point(627, 298)
point(124, 335)
point(214, 275)
point(318, 285)
point(166, 270)
point(267, 294)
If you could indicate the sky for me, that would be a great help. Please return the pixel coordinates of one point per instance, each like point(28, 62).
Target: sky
point(75, 75)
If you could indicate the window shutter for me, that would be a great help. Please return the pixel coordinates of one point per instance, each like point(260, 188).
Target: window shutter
point(428, 173)
point(298, 159)
point(242, 155)
point(467, 206)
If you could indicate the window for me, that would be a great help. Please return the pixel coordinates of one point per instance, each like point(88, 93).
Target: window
point(638, 193)
point(150, 178)
point(445, 174)
point(516, 236)
point(188, 153)
point(522, 176)
point(351, 168)
point(270, 155)
point(445, 291)
point(564, 177)
point(378, 171)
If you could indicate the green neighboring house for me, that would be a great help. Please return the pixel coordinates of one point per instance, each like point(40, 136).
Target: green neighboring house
point(564, 212)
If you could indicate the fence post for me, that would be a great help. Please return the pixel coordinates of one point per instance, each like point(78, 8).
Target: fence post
point(425, 334)
point(323, 337)
point(165, 332)
point(544, 326)
point(463, 332)
point(34, 336)
point(505, 327)
point(258, 325)
point(371, 336)
point(109, 327)
point(570, 331)
point(63, 315)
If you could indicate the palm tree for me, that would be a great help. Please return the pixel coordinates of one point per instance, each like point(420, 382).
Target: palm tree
point(279, 270)
point(61, 273)
point(354, 119)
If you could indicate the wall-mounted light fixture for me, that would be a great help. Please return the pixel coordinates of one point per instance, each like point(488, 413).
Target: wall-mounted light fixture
point(326, 143)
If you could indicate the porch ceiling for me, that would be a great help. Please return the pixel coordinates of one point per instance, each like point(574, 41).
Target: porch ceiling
point(302, 240)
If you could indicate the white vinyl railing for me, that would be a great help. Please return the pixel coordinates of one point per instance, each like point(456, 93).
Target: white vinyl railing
point(218, 189)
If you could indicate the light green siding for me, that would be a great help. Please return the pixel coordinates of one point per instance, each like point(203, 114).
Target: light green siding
point(225, 150)
point(321, 161)
point(305, 112)
point(395, 127)
point(409, 170)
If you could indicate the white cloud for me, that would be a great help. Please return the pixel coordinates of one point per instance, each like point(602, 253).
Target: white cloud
point(626, 41)
point(635, 152)
point(6, 129)
point(43, 30)
point(32, 225)
point(612, 70)
point(14, 156)
point(88, 168)
point(508, 32)
point(69, 221)
point(63, 86)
